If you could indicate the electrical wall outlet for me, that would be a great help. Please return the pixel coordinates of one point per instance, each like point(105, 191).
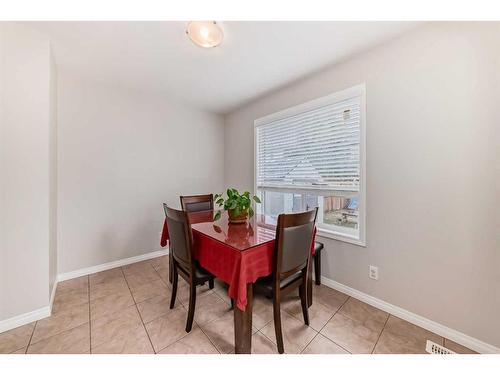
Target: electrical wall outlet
point(373, 273)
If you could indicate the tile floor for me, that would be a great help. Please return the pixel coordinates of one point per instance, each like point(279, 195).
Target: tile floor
point(126, 310)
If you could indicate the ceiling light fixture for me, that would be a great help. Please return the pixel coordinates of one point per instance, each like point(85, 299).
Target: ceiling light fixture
point(205, 34)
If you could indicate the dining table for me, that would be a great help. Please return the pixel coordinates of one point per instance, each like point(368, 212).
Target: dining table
point(237, 254)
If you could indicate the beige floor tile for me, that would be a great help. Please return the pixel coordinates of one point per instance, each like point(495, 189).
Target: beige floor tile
point(160, 262)
point(133, 341)
point(296, 335)
point(112, 326)
point(137, 280)
point(20, 351)
point(183, 292)
point(196, 342)
point(109, 305)
point(60, 322)
point(208, 308)
point(352, 335)
point(66, 301)
point(107, 288)
point(77, 284)
point(319, 314)
point(16, 338)
point(328, 297)
point(262, 311)
point(167, 329)
point(402, 337)
point(221, 291)
point(105, 276)
point(221, 332)
point(139, 267)
point(370, 316)
point(153, 308)
point(147, 291)
point(73, 341)
point(262, 345)
point(321, 345)
point(163, 273)
point(457, 348)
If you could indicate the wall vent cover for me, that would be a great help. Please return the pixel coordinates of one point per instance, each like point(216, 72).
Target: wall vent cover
point(433, 348)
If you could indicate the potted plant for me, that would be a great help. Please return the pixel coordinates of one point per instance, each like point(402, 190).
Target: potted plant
point(238, 206)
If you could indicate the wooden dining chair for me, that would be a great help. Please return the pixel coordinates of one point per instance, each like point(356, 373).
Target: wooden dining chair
point(318, 248)
point(193, 203)
point(183, 261)
point(291, 257)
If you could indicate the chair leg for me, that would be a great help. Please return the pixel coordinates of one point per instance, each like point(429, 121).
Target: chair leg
point(211, 284)
point(170, 266)
point(303, 302)
point(317, 267)
point(232, 304)
point(175, 278)
point(192, 304)
point(277, 324)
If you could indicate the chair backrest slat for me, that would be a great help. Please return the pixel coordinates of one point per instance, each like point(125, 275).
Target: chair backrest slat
point(194, 203)
point(294, 236)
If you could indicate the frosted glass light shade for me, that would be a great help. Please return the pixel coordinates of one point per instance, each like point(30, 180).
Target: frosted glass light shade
point(205, 34)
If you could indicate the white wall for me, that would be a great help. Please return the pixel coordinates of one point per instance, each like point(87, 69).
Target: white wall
point(52, 174)
point(432, 191)
point(24, 170)
point(121, 155)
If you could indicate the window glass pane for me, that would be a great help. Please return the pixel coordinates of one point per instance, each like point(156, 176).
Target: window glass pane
point(311, 201)
point(339, 214)
point(274, 203)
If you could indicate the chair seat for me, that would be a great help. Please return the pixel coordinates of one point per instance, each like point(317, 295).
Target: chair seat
point(201, 273)
point(265, 284)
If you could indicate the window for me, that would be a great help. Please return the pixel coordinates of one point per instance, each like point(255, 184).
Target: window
point(312, 155)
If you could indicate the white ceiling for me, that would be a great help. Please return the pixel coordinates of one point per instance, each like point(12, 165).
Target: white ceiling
point(254, 57)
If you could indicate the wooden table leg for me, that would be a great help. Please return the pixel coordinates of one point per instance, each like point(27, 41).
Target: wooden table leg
point(309, 285)
point(243, 325)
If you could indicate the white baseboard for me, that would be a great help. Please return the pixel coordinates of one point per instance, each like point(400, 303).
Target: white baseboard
point(439, 329)
point(109, 265)
point(45, 312)
point(20, 320)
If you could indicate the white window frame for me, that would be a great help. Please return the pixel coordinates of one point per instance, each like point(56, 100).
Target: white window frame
point(358, 90)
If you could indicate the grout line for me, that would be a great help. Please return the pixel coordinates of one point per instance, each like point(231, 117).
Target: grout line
point(309, 342)
point(138, 312)
point(380, 334)
point(31, 337)
point(340, 346)
point(335, 313)
point(208, 337)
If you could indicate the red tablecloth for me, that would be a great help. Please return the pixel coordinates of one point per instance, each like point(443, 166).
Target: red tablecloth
point(235, 267)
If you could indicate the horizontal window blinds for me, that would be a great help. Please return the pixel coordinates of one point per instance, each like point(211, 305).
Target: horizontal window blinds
point(315, 149)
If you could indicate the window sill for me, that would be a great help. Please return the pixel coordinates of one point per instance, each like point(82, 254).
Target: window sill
point(336, 236)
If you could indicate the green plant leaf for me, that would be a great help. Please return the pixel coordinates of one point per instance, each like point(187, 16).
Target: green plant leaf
point(256, 198)
point(217, 215)
point(233, 205)
point(220, 201)
point(237, 211)
point(250, 211)
point(229, 193)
